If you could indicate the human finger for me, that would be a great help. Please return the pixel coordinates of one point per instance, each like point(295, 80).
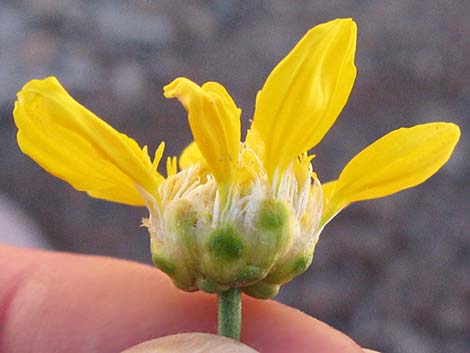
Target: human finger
point(78, 303)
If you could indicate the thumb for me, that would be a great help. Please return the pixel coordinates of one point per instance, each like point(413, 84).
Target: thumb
point(191, 343)
point(195, 342)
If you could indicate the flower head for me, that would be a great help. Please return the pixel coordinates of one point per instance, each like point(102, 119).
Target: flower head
point(235, 214)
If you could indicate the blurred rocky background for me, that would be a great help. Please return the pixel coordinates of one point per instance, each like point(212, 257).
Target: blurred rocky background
point(392, 273)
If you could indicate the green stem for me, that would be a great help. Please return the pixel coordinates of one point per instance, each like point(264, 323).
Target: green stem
point(230, 313)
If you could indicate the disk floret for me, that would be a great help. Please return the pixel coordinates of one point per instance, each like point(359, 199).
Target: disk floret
point(262, 236)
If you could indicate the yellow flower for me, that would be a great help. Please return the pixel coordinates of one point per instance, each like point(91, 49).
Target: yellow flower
point(236, 214)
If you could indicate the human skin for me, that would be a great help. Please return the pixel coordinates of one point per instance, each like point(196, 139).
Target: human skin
point(60, 302)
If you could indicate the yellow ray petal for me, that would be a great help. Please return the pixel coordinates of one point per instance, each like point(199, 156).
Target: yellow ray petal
point(73, 144)
point(191, 155)
point(329, 208)
point(304, 94)
point(215, 123)
point(254, 142)
point(401, 159)
point(328, 189)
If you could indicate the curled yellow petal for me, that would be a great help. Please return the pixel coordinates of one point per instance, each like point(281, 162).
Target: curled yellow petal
point(401, 159)
point(73, 144)
point(215, 123)
point(305, 93)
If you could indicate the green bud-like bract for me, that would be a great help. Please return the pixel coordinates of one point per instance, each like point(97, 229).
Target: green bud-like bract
point(257, 242)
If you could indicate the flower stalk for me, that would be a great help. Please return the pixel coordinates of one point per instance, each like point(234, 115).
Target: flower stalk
point(230, 313)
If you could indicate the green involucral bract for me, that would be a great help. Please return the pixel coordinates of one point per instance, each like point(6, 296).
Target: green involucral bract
point(257, 251)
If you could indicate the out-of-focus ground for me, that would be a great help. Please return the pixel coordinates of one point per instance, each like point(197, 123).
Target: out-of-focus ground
point(392, 273)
